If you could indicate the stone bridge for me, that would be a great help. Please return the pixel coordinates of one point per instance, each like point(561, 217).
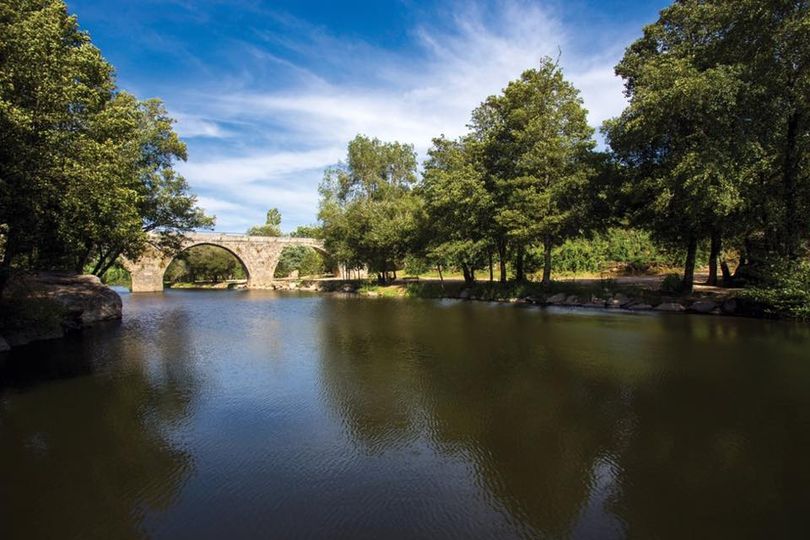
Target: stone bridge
point(258, 254)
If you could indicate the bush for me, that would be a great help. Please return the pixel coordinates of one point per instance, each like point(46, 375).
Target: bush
point(783, 290)
point(630, 250)
point(672, 284)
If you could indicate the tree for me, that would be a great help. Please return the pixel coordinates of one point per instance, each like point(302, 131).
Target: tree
point(456, 208)
point(368, 210)
point(85, 169)
point(537, 150)
point(163, 200)
point(271, 227)
point(712, 140)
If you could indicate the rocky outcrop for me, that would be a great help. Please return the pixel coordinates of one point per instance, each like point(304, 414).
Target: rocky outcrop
point(46, 305)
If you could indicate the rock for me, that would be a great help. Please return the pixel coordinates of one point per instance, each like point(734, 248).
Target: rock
point(572, 300)
point(372, 294)
point(556, 299)
point(4, 346)
point(639, 307)
point(612, 303)
point(464, 294)
point(670, 306)
point(703, 306)
point(622, 299)
point(347, 288)
point(729, 306)
point(83, 297)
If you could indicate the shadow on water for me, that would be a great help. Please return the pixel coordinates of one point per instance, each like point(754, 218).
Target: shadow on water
point(84, 450)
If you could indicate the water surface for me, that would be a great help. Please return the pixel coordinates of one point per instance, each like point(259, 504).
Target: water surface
point(248, 414)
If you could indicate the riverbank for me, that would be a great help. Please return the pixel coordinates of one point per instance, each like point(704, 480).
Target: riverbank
point(634, 296)
point(47, 305)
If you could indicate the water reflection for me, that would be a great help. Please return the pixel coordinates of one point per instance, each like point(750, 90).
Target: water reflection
point(88, 456)
point(605, 426)
point(249, 414)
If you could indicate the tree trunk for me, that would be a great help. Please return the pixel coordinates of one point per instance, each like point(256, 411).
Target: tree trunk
point(689, 266)
point(713, 256)
point(502, 260)
point(790, 190)
point(520, 272)
point(469, 278)
point(547, 245)
point(441, 277)
point(491, 269)
point(727, 279)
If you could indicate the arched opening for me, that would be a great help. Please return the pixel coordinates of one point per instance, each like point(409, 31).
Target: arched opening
point(297, 262)
point(117, 276)
point(208, 266)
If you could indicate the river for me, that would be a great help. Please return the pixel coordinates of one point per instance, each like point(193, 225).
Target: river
point(251, 414)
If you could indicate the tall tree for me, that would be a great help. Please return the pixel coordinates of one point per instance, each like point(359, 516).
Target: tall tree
point(537, 147)
point(368, 210)
point(457, 206)
point(714, 138)
point(85, 169)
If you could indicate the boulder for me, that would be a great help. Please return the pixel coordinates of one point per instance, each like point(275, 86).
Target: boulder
point(730, 306)
point(347, 288)
point(670, 306)
point(703, 306)
point(572, 300)
point(556, 299)
point(465, 294)
point(84, 298)
point(639, 307)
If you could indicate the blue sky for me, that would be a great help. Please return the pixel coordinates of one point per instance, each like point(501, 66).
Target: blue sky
point(267, 94)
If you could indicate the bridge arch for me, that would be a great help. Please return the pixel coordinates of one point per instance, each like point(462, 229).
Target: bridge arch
point(228, 250)
point(258, 254)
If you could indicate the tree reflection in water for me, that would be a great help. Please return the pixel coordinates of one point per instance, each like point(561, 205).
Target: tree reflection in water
point(586, 425)
point(100, 476)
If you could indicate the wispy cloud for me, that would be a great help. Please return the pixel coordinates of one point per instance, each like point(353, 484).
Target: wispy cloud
point(290, 132)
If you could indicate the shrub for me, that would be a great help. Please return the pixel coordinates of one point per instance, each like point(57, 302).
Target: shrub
point(672, 284)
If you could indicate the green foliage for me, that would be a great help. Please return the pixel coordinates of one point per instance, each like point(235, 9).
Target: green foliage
point(85, 169)
point(307, 231)
point(305, 260)
point(782, 290)
point(204, 264)
point(368, 209)
point(271, 227)
point(453, 226)
point(672, 284)
point(535, 149)
point(711, 142)
point(117, 275)
point(630, 251)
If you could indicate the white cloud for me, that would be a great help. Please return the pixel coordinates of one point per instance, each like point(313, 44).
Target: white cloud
point(189, 126)
point(295, 133)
